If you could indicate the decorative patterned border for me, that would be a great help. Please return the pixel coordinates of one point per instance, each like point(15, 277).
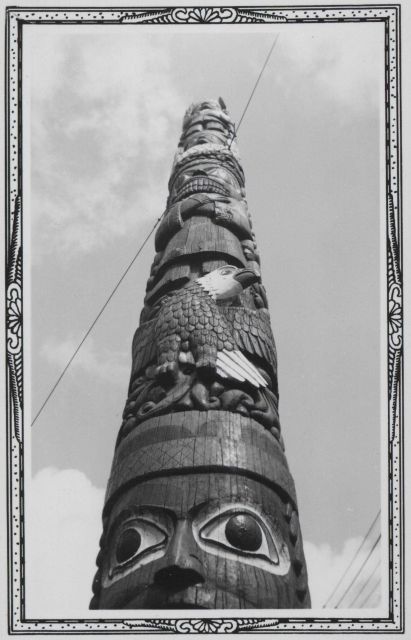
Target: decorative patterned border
point(16, 18)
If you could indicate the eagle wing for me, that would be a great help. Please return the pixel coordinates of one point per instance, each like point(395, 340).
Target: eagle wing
point(239, 332)
point(231, 362)
point(251, 331)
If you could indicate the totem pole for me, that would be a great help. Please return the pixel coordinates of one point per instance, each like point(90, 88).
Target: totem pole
point(200, 510)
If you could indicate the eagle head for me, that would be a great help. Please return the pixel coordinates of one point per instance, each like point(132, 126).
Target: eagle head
point(228, 282)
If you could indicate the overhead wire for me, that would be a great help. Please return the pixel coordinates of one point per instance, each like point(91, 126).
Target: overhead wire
point(236, 129)
point(93, 324)
point(50, 394)
point(373, 590)
point(372, 574)
point(353, 559)
point(359, 571)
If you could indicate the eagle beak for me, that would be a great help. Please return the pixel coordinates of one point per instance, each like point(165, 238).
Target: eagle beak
point(246, 277)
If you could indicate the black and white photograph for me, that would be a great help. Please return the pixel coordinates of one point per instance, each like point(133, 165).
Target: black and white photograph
point(204, 319)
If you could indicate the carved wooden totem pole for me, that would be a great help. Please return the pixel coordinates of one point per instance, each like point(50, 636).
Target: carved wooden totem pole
point(200, 509)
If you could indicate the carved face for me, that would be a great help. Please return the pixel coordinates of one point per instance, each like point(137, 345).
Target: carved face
point(205, 177)
point(207, 127)
point(197, 541)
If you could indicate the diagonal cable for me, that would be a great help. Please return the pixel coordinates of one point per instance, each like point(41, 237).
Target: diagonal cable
point(370, 594)
point(254, 89)
point(140, 249)
point(359, 571)
point(353, 560)
point(93, 324)
point(372, 574)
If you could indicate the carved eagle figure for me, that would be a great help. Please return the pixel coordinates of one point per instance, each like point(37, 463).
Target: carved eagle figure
point(193, 328)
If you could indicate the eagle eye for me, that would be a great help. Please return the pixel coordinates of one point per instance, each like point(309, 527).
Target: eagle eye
point(225, 271)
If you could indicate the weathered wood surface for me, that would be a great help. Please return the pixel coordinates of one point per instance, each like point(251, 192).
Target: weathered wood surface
point(228, 212)
point(201, 235)
point(194, 565)
point(200, 509)
point(199, 439)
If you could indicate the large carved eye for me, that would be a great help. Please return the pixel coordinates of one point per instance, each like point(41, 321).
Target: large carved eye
point(225, 271)
point(135, 538)
point(245, 535)
point(127, 545)
point(138, 538)
point(216, 125)
point(243, 532)
point(194, 128)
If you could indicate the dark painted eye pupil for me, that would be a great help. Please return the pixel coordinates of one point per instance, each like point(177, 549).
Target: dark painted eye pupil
point(127, 545)
point(243, 532)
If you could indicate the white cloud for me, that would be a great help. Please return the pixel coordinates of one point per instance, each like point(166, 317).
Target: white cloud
point(64, 527)
point(105, 118)
point(104, 363)
point(326, 567)
point(342, 63)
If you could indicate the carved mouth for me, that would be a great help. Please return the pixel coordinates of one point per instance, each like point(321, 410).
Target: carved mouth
point(201, 185)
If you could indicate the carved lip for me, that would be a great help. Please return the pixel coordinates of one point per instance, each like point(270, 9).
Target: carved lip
point(201, 598)
point(201, 185)
point(157, 599)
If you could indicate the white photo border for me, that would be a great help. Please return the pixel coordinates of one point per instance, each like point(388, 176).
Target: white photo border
point(16, 18)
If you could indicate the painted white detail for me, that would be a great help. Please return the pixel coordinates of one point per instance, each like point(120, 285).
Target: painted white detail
point(233, 364)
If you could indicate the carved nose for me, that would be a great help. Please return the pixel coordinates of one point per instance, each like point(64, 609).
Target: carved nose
point(183, 566)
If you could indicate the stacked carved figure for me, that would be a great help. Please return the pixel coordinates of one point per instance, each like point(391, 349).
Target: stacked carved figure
point(200, 509)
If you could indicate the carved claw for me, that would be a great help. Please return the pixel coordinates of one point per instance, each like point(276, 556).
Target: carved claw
point(186, 361)
point(202, 398)
point(168, 372)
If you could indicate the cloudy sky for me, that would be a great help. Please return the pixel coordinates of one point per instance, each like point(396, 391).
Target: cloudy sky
point(104, 106)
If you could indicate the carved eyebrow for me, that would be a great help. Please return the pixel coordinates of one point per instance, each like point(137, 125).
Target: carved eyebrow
point(215, 508)
point(137, 511)
point(212, 507)
point(205, 505)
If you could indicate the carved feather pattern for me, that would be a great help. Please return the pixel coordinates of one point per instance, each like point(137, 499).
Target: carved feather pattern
point(252, 333)
point(144, 347)
point(191, 315)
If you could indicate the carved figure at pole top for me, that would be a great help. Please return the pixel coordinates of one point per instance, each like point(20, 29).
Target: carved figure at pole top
point(200, 509)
